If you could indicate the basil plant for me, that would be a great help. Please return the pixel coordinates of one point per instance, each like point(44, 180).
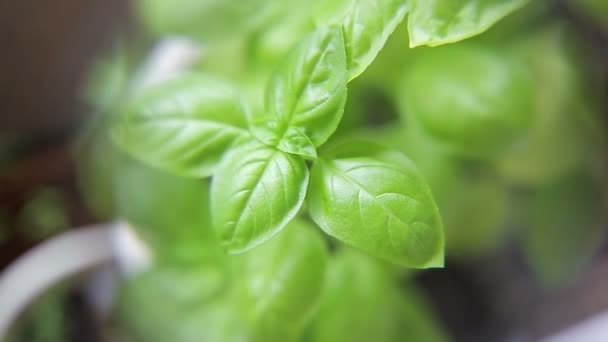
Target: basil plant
point(282, 201)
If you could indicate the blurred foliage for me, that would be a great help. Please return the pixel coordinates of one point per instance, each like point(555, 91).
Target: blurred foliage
point(44, 321)
point(44, 215)
point(565, 225)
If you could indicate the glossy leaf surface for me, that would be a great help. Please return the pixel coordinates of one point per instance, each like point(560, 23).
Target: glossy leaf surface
point(377, 201)
point(255, 193)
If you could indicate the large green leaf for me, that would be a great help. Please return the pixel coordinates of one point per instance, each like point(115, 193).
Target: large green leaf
point(307, 93)
point(377, 201)
point(437, 22)
point(281, 282)
point(361, 303)
point(184, 125)
point(255, 193)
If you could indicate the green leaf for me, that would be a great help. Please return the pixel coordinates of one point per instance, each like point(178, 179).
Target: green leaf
point(377, 201)
point(367, 26)
point(437, 22)
point(282, 282)
point(361, 303)
point(481, 99)
point(183, 126)
point(566, 226)
point(308, 92)
point(255, 193)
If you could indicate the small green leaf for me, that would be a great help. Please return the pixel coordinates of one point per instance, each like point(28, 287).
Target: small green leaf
point(367, 26)
point(282, 282)
point(256, 191)
point(437, 22)
point(377, 202)
point(308, 92)
point(183, 126)
point(293, 140)
point(362, 303)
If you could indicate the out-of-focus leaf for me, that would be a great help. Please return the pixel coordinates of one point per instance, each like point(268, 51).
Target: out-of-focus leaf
point(160, 306)
point(437, 22)
point(281, 283)
point(45, 320)
point(362, 302)
point(45, 214)
point(170, 212)
point(562, 134)
point(471, 98)
point(107, 79)
point(566, 226)
point(474, 208)
point(206, 20)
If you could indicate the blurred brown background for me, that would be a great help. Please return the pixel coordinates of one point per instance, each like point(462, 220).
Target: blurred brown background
point(46, 49)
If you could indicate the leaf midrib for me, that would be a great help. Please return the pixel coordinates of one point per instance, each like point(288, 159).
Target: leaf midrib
point(248, 198)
